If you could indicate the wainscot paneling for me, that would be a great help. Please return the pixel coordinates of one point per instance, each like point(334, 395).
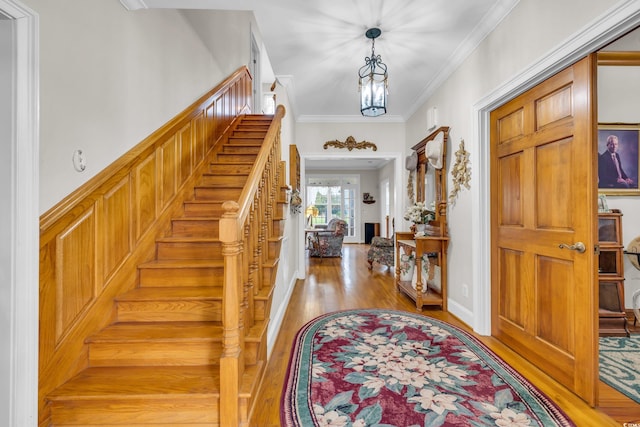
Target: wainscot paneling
point(92, 241)
point(75, 270)
point(145, 194)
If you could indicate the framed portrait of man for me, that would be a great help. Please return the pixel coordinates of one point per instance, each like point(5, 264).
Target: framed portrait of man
point(618, 159)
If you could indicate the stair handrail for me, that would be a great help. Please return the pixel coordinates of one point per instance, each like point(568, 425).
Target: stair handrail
point(243, 229)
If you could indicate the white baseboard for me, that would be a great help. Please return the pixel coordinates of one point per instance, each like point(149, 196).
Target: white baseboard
point(276, 320)
point(460, 312)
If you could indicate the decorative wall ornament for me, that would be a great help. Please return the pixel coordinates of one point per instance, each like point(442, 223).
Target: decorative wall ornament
point(461, 172)
point(410, 164)
point(350, 143)
point(410, 192)
point(295, 201)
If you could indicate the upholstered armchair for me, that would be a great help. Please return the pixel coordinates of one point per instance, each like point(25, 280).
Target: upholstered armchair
point(328, 242)
point(382, 251)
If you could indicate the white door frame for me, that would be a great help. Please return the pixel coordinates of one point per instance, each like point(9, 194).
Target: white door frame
point(617, 21)
point(23, 283)
point(385, 193)
point(398, 160)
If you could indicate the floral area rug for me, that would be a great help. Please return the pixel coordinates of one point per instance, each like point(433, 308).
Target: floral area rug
point(388, 368)
point(620, 364)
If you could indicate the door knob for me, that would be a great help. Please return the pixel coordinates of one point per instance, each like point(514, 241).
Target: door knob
point(577, 246)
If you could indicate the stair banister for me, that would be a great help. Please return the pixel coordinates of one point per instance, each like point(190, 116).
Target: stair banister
point(249, 215)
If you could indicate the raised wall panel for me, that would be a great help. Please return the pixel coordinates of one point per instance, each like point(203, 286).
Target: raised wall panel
point(510, 171)
point(116, 220)
point(199, 139)
point(145, 199)
point(554, 107)
point(185, 152)
point(227, 107)
point(512, 292)
point(168, 156)
point(511, 126)
point(75, 270)
point(233, 107)
point(554, 293)
point(210, 115)
point(553, 161)
point(219, 116)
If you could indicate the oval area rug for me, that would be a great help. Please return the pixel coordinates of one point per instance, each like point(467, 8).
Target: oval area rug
point(388, 368)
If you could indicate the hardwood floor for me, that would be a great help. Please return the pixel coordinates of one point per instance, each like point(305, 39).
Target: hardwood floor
point(345, 283)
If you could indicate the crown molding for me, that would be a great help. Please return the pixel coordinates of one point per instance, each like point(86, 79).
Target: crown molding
point(486, 25)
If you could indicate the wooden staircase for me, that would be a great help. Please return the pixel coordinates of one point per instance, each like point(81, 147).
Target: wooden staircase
point(158, 363)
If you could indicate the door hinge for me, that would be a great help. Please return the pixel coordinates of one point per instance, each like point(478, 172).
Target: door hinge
point(596, 249)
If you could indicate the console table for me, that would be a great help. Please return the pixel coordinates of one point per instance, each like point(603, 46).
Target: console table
point(436, 245)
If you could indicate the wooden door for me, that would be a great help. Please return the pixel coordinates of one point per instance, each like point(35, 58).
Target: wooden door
point(544, 192)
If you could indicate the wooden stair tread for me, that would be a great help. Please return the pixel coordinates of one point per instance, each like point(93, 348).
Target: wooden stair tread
point(171, 293)
point(271, 262)
point(217, 162)
point(219, 186)
point(257, 331)
point(180, 263)
point(203, 202)
point(159, 331)
point(161, 382)
point(244, 140)
point(171, 332)
point(264, 293)
point(235, 147)
point(187, 239)
point(196, 218)
point(217, 173)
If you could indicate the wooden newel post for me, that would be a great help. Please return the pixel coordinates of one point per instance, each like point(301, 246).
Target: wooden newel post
point(232, 360)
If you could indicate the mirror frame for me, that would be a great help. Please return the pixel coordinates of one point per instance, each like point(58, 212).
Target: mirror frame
point(440, 178)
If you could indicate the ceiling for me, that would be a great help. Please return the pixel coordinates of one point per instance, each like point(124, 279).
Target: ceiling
point(317, 47)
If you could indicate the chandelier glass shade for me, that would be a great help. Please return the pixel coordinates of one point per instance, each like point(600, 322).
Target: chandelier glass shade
point(372, 81)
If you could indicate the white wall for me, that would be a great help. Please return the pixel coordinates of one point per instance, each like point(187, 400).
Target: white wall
point(110, 77)
point(389, 139)
point(531, 31)
point(225, 34)
point(619, 102)
point(288, 272)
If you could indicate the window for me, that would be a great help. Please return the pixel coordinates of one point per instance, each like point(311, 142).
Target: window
point(329, 197)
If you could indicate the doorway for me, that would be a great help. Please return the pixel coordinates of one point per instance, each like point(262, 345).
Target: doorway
point(19, 77)
point(315, 163)
point(254, 70)
point(609, 29)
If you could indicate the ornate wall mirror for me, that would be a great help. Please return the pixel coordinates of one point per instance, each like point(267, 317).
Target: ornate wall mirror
point(431, 174)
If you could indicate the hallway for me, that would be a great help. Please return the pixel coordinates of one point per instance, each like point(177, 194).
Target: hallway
point(345, 283)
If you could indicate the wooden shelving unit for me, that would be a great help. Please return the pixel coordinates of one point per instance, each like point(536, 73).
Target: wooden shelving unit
point(612, 316)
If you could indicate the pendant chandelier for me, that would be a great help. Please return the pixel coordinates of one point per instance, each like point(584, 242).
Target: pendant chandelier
point(372, 82)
